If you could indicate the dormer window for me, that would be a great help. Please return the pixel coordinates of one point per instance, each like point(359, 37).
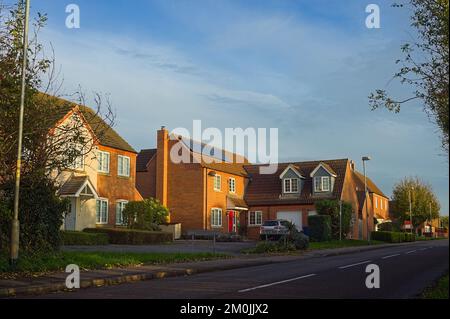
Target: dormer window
point(322, 184)
point(290, 185)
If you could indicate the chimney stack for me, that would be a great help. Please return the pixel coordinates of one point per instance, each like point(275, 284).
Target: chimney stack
point(162, 162)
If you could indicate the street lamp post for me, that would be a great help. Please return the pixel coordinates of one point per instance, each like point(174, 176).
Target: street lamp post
point(364, 159)
point(410, 209)
point(15, 228)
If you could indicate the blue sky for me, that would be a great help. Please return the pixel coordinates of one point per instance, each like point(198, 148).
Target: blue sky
point(305, 67)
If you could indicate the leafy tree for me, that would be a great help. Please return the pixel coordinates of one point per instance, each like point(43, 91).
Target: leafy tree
point(145, 215)
point(444, 222)
point(331, 208)
point(421, 197)
point(47, 147)
point(424, 66)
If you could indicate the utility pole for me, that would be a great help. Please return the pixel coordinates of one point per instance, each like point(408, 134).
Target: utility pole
point(431, 222)
point(15, 227)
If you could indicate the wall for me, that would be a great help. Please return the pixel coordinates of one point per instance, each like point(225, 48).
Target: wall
point(146, 181)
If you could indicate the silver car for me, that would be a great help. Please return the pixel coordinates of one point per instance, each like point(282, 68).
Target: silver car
point(276, 228)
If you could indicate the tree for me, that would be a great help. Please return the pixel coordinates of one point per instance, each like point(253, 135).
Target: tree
point(424, 66)
point(145, 215)
point(444, 222)
point(48, 147)
point(421, 197)
point(331, 208)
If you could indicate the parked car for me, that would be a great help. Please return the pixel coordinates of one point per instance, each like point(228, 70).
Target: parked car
point(274, 229)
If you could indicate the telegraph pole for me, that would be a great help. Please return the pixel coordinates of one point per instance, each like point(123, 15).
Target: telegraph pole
point(15, 227)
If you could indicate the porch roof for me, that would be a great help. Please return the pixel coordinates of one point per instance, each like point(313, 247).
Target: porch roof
point(77, 186)
point(236, 203)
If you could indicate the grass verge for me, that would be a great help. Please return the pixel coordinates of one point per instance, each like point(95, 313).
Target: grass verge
point(438, 291)
point(40, 264)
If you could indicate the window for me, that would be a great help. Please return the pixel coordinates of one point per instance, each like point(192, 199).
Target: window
point(381, 203)
point(78, 163)
point(123, 166)
point(376, 202)
point(255, 218)
point(216, 217)
point(290, 185)
point(385, 204)
point(102, 211)
point(322, 184)
point(120, 206)
point(232, 185)
point(217, 182)
point(103, 162)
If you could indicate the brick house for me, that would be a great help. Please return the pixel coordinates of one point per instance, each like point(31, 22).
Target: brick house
point(200, 194)
point(292, 191)
point(224, 196)
point(101, 182)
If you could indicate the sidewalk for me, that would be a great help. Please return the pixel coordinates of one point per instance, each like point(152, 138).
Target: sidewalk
point(95, 278)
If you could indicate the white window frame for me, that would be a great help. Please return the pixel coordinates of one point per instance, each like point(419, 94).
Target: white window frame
point(216, 223)
point(217, 180)
point(319, 184)
point(232, 185)
point(101, 156)
point(120, 159)
point(101, 221)
point(119, 210)
point(290, 182)
point(256, 222)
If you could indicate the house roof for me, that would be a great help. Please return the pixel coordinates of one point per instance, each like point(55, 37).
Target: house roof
point(265, 189)
point(104, 133)
point(371, 186)
point(143, 157)
point(326, 167)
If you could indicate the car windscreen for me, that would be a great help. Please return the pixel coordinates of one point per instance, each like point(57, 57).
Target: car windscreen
point(270, 223)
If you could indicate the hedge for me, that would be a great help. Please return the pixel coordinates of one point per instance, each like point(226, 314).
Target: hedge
point(319, 227)
point(393, 237)
point(81, 238)
point(132, 236)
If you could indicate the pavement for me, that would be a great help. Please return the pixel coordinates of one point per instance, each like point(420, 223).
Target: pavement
point(186, 246)
point(333, 273)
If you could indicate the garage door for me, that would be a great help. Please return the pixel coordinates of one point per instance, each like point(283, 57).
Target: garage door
point(293, 217)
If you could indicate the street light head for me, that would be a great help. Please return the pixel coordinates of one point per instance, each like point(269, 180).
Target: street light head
point(366, 158)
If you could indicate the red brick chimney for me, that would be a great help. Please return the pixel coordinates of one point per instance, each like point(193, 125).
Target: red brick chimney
point(162, 161)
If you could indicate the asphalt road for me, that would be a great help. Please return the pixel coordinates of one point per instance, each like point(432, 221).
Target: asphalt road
point(404, 272)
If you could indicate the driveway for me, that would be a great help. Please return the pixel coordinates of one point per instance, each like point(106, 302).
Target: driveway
point(178, 246)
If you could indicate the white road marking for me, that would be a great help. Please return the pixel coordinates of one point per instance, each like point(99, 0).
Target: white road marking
point(276, 283)
point(348, 266)
point(423, 248)
point(410, 252)
point(386, 257)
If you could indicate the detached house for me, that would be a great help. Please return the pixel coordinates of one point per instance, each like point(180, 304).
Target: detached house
point(201, 194)
point(291, 193)
point(102, 181)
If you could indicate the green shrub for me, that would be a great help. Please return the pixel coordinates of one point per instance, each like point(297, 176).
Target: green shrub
point(295, 238)
point(132, 236)
point(393, 237)
point(145, 215)
point(273, 247)
point(331, 208)
point(319, 227)
point(83, 238)
point(41, 214)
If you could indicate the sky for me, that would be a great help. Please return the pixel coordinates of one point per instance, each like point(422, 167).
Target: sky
point(304, 67)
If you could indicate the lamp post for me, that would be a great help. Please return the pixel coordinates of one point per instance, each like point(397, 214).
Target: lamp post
point(364, 160)
point(410, 209)
point(15, 229)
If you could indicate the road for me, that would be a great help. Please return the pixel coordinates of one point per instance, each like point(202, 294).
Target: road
point(404, 272)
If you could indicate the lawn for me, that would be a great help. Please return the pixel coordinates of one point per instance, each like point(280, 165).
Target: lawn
point(438, 291)
point(96, 260)
point(342, 243)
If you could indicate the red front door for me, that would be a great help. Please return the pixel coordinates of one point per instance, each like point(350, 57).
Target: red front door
point(230, 221)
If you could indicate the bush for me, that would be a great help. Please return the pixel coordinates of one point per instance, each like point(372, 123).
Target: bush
point(331, 208)
point(295, 238)
point(273, 247)
point(83, 238)
point(319, 227)
point(389, 226)
point(393, 237)
point(145, 215)
point(132, 237)
point(41, 214)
